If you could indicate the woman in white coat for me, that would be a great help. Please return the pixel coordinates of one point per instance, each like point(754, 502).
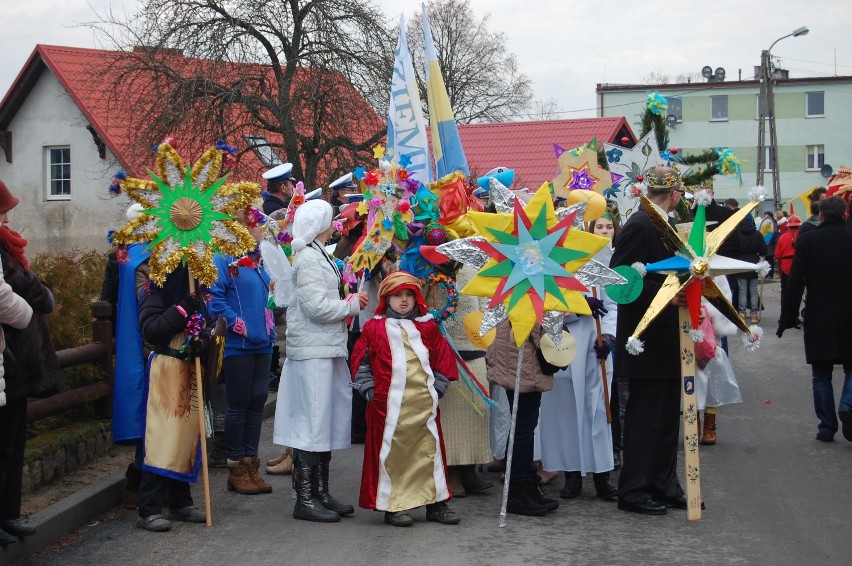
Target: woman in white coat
point(575, 435)
point(315, 397)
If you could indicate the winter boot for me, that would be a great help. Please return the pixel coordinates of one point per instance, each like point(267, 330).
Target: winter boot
point(239, 477)
point(603, 487)
point(709, 436)
point(573, 485)
point(472, 482)
point(320, 491)
point(520, 502)
point(217, 455)
point(254, 466)
point(281, 466)
point(308, 507)
point(454, 481)
point(537, 493)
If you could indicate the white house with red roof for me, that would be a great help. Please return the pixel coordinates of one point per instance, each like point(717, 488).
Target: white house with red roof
point(65, 131)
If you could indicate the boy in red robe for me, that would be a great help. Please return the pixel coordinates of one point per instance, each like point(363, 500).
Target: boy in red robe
point(402, 366)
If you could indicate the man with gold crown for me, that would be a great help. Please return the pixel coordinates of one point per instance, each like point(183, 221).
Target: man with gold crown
point(648, 481)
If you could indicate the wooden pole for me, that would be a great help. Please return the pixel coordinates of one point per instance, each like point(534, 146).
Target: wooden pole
point(201, 426)
point(603, 365)
point(690, 417)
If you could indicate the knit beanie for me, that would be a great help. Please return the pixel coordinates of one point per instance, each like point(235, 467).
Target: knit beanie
point(311, 219)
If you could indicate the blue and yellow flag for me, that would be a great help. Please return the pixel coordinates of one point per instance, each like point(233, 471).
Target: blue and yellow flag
point(446, 143)
point(407, 143)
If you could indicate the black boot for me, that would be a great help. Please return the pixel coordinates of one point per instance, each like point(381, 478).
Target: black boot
point(217, 455)
point(573, 485)
point(321, 491)
point(604, 487)
point(308, 507)
point(520, 502)
point(537, 493)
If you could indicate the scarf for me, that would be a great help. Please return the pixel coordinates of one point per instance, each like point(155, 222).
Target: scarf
point(14, 244)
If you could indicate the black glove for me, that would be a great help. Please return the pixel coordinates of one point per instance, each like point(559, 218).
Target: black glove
point(190, 303)
point(784, 325)
point(441, 384)
point(198, 345)
point(596, 306)
point(605, 347)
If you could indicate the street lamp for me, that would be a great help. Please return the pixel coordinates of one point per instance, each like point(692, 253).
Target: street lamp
point(767, 109)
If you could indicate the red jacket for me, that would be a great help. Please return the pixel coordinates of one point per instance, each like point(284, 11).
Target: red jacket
point(784, 250)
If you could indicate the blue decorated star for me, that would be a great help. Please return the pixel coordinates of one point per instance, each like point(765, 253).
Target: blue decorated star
point(404, 160)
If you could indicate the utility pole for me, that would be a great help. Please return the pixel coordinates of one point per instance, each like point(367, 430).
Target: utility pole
point(766, 113)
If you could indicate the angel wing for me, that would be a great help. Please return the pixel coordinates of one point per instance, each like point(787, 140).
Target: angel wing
point(280, 271)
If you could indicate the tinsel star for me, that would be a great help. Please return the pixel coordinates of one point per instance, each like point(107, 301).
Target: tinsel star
point(188, 214)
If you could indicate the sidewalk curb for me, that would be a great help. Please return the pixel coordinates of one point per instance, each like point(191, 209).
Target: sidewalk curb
point(69, 514)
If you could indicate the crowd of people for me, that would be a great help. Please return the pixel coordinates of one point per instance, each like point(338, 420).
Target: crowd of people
point(372, 365)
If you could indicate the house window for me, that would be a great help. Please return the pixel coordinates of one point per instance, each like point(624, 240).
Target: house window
point(58, 175)
point(675, 108)
point(719, 108)
point(815, 104)
point(267, 155)
point(816, 157)
point(768, 160)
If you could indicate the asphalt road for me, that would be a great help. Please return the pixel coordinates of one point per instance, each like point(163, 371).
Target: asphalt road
point(774, 495)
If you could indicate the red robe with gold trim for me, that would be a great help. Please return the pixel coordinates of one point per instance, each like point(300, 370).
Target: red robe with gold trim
point(404, 457)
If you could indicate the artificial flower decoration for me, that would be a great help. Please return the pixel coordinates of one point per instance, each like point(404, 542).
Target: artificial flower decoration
point(532, 260)
point(188, 214)
point(657, 103)
point(729, 163)
point(389, 194)
point(692, 267)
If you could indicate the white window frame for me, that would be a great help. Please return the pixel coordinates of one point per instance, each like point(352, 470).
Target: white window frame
point(807, 97)
point(712, 118)
point(48, 173)
point(767, 159)
point(814, 151)
point(265, 152)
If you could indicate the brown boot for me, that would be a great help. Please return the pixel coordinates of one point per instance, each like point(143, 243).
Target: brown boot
point(709, 436)
point(239, 477)
point(284, 467)
point(254, 466)
point(471, 481)
point(275, 461)
point(454, 481)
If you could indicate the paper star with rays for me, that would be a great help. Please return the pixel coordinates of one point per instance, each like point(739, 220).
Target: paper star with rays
point(532, 261)
point(691, 269)
point(628, 164)
point(580, 170)
point(188, 214)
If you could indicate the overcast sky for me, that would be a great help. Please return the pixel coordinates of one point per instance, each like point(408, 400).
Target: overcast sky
point(565, 46)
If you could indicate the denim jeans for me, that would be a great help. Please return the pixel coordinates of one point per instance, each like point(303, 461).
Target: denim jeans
point(246, 387)
point(747, 289)
point(522, 454)
point(824, 395)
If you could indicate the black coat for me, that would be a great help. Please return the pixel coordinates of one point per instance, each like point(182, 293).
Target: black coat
point(639, 241)
point(822, 266)
point(30, 364)
point(751, 246)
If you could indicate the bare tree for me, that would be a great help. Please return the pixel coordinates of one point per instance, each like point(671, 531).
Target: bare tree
point(656, 78)
point(284, 70)
point(482, 78)
point(547, 109)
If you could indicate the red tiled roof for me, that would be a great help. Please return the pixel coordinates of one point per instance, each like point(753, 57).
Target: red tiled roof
point(88, 75)
point(528, 146)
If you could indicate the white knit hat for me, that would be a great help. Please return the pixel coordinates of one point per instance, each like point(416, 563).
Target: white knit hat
point(312, 218)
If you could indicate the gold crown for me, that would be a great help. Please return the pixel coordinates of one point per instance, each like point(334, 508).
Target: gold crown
point(669, 180)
